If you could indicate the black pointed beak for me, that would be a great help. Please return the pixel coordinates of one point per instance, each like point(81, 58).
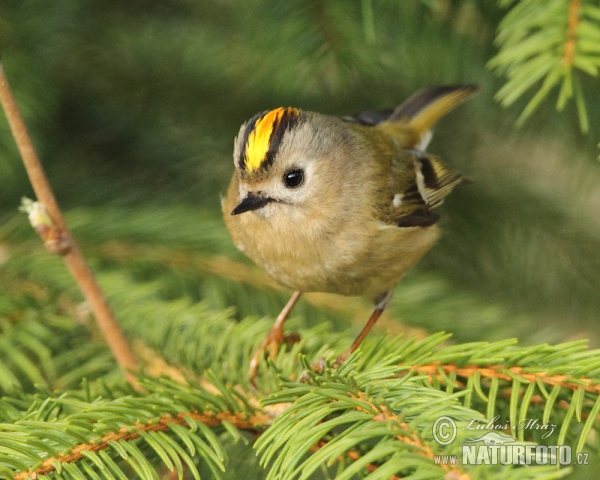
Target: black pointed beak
point(252, 201)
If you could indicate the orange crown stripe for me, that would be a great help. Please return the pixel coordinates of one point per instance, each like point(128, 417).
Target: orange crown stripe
point(259, 140)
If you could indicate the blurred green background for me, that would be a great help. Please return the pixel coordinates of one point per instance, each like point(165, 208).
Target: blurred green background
point(133, 107)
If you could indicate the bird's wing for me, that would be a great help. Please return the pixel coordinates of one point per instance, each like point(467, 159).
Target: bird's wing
point(434, 178)
point(418, 184)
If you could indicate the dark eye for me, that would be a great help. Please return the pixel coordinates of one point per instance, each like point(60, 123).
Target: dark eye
point(293, 178)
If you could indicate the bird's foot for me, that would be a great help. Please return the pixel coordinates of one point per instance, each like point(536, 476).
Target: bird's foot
point(270, 345)
point(319, 367)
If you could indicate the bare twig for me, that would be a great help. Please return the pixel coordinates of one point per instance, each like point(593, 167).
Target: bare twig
point(58, 234)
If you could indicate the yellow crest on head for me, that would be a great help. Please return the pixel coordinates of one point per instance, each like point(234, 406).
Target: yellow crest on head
point(263, 136)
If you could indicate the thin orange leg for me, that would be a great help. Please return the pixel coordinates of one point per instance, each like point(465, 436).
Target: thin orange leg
point(382, 304)
point(274, 338)
point(361, 336)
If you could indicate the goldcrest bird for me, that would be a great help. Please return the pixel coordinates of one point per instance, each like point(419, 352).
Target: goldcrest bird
point(341, 205)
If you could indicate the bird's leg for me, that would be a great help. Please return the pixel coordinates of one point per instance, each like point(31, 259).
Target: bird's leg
point(275, 337)
point(382, 303)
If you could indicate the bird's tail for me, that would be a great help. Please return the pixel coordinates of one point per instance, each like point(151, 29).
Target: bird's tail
point(422, 110)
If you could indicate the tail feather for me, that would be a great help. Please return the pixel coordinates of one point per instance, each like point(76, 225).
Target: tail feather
point(423, 109)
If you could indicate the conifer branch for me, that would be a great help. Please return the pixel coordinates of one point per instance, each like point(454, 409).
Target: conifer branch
point(412, 439)
point(131, 432)
point(550, 42)
point(57, 236)
point(500, 372)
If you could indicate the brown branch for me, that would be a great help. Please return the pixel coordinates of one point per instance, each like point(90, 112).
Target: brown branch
point(126, 433)
point(499, 371)
point(56, 235)
point(569, 52)
point(493, 371)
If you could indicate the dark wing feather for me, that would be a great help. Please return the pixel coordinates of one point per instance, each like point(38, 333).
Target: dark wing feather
point(418, 218)
point(418, 182)
point(432, 181)
point(370, 118)
point(435, 180)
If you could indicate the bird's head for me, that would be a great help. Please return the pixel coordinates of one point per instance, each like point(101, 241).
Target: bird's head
point(290, 161)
